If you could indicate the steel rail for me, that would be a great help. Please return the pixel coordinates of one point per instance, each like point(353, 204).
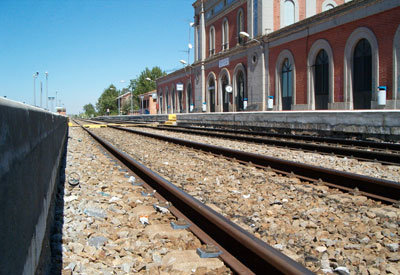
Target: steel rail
point(386, 158)
point(378, 189)
point(341, 141)
point(253, 253)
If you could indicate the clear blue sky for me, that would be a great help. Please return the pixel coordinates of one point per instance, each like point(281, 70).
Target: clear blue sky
point(86, 45)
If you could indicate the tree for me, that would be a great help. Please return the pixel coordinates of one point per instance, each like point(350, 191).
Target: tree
point(108, 100)
point(89, 110)
point(141, 85)
point(126, 107)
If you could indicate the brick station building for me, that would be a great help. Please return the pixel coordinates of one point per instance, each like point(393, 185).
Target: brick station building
point(291, 55)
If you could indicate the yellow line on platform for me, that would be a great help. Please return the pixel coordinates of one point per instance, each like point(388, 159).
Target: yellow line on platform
point(94, 126)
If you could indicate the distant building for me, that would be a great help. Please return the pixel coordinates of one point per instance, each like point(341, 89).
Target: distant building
point(61, 111)
point(263, 55)
point(148, 103)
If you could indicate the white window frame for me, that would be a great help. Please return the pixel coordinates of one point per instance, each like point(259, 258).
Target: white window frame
point(319, 45)
point(225, 36)
point(351, 43)
point(285, 54)
point(326, 3)
point(282, 11)
point(211, 37)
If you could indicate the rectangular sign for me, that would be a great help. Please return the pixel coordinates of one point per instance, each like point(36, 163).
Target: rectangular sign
point(223, 62)
point(179, 87)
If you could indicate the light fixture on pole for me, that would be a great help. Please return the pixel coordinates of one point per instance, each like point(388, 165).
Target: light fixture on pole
point(47, 90)
point(35, 75)
point(183, 62)
point(191, 24)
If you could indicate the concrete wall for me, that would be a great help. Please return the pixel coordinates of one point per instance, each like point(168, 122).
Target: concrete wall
point(31, 146)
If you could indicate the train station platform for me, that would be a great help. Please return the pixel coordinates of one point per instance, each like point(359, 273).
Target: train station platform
point(381, 124)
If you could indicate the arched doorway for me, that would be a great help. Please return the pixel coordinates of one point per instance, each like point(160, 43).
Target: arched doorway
point(321, 83)
point(211, 93)
point(287, 85)
point(241, 91)
point(190, 105)
point(180, 99)
point(225, 94)
point(362, 75)
point(173, 101)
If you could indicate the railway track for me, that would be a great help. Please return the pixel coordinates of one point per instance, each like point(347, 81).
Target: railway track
point(244, 253)
point(378, 189)
point(385, 153)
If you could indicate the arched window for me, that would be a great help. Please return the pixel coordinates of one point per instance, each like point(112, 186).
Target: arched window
point(362, 75)
point(328, 7)
point(212, 41)
point(211, 92)
point(225, 35)
point(241, 91)
point(321, 81)
point(287, 85)
point(288, 13)
point(240, 25)
point(328, 4)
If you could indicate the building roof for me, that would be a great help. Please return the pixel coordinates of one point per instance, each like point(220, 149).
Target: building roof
point(124, 95)
point(149, 93)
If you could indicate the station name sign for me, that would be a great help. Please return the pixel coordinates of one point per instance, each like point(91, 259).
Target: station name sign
point(223, 62)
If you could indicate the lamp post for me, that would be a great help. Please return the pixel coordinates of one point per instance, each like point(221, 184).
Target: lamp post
point(35, 75)
point(47, 90)
point(51, 98)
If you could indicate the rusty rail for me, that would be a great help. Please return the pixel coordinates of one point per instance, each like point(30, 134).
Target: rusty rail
point(378, 189)
point(383, 157)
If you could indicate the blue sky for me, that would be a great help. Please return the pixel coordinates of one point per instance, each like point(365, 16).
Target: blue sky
point(86, 45)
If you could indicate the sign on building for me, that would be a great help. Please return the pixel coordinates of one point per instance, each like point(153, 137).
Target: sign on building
point(223, 62)
point(179, 87)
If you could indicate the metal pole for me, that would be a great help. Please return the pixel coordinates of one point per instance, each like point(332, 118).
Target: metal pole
point(189, 46)
point(34, 90)
point(41, 93)
point(131, 103)
point(47, 90)
point(119, 109)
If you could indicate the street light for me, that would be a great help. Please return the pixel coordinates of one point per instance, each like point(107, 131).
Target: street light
point(35, 75)
point(47, 90)
point(51, 98)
